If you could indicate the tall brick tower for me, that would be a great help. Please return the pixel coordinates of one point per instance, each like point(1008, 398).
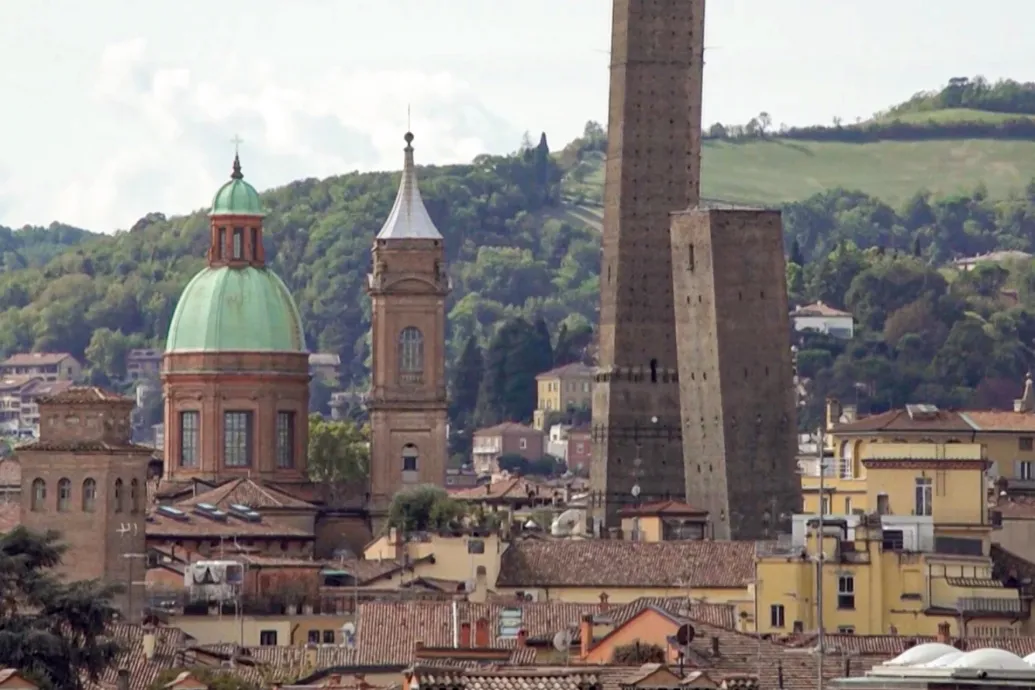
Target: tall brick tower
point(653, 169)
point(735, 372)
point(408, 289)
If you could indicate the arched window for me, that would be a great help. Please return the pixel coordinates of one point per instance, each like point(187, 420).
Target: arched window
point(410, 456)
point(89, 495)
point(39, 495)
point(64, 495)
point(411, 355)
point(134, 496)
point(118, 496)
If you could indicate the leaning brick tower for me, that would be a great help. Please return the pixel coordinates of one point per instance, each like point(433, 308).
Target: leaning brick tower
point(653, 169)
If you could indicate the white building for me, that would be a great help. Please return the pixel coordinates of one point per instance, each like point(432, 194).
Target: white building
point(823, 318)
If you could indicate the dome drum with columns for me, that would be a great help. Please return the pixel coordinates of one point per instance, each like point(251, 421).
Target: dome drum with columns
point(236, 371)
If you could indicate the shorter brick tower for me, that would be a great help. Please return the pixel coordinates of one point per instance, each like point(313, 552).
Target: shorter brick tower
point(86, 479)
point(408, 289)
point(236, 370)
point(735, 372)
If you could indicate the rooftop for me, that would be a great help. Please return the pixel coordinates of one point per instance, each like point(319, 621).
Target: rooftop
point(575, 369)
point(35, 359)
point(618, 563)
point(819, 309)
point(506, 428)
point(248, 492)
point(513, 488)
point(409, 219)
point(923, 417)
point(172, 523)
point(77, 395)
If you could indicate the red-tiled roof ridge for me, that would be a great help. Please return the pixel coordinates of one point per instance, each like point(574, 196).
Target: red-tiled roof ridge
point(573, 368)
point(249, 492)
point(620, 563)
point(35, 358)
point(502, 488)
point(900, 420)
point(504, 427)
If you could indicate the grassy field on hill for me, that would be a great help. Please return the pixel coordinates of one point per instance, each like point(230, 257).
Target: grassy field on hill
point(953, 116)
point(776, 171)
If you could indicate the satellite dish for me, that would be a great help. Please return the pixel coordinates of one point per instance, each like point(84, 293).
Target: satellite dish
point(566, 523)
point(349, 628)
point(635, 490)
point(562, 641)
point(654, 420)
point(685, 634)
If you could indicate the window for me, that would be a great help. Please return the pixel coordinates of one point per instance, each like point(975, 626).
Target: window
point(268, 638)
point(118, 496)
point(1024, 470)
point(255, 242)
point(314, 637)
point(580, 448)
point(585, 387)
point(883, 505)
point(89, 495)
point(825, 503)
point(220, 243)
point(39, 495)
point(893, 540)
point(328, 637)
point(690, 258)
point(848, 505)
point(1024, 443)
point(285, 439)
point(189, 432)
point(523, 443)
point(238, 243)
point(845, 630)
point(476, 546)
point(64, 495)
point(924, 496)
point(776, 616)
point(237, 438)
point(846, 463)
point(410, 455)
point(846, 592)
point(134, 497)
point(411, 355)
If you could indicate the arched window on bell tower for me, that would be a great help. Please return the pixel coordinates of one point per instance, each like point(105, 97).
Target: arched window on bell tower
point(411, 356)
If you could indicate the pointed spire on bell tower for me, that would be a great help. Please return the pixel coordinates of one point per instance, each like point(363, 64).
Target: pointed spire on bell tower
point(409, 219)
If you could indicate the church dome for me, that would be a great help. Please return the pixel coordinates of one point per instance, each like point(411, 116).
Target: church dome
point(237, 197)
point(236, 309)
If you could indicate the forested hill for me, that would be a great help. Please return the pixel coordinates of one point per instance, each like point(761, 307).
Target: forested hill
point(522, 238)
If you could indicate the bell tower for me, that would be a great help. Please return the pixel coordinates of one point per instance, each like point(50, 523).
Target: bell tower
point(408, 288)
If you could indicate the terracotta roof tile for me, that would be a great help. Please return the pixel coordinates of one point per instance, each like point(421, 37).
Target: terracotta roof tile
point(388, 632)
point(818, 309)
point(35, 359)
point(996, 420)
point(10, 515)
point(159, 525)
point(83, 394)
point(247, 491)
point(508, 678)
point(17, 381)
point(615, 563)
point(719, 615)
point(506, 428)
point(573, 369)
point(367, 571)
point(900, 420)
point(513, 487)
point(84, 447)
point(169, 654)
point(1017, 506)
point(880, 648)
point(289, 661)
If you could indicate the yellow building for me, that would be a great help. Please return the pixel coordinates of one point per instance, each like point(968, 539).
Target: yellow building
point(561, 389)
point(907, 537)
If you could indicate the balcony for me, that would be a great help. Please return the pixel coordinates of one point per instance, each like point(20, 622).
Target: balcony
point(331, 601)
point(990, 605)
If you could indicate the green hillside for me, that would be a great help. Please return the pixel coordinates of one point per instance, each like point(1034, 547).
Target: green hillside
point(775, 171)
point(951, 116)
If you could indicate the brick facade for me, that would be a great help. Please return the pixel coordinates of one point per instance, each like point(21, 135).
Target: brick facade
point(85, 479)
point(736, 374)
point(408, 290)
point(653, 169)
point(213, 383)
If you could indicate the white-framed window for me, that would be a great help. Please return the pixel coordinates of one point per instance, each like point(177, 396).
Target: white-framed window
point(848, 505)
point(1024, 469)
point(776, 616)
point(523, 443)
point(846, 592)
point(924, 496)
point(825, 505)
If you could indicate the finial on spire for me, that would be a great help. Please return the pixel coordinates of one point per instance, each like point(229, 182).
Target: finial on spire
point(409, 140)
point(236, 174)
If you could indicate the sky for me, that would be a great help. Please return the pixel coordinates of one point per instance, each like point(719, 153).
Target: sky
point(113, 109)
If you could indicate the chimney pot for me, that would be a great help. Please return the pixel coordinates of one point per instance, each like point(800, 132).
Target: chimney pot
point(481, 633)
point(603, 602)
point(715, 646)
point(522, 638)
point(944, 633)
point(585, 636)
point(122, 680)
point(465, 635)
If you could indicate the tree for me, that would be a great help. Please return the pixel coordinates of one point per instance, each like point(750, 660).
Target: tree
point(514, 358)
point(50, 629)
point(637, 654)
point(765, 122)
point(467, 378)
point(796, 256)
point(425, 507)
point(106, 354)
point(339, 455)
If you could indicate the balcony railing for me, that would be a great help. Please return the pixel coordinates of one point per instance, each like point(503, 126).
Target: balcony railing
point(978, 605)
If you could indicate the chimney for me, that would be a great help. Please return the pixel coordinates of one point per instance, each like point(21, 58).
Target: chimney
point(944, 633)
point(585, 635)
point(481, 586)
point(614, 533)
point(779, 674)
point(715, 646)
point(522, 640)
point(149, 644)
point(481, 633)
point(847, 667)
point(122, 680)
point(893, 630)
point(465, 636)
point(603, 602)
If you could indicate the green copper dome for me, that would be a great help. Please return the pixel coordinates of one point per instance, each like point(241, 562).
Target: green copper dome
point(237, 197)
point(228, 309)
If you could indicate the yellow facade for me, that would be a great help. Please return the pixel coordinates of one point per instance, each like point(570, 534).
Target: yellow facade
point(253, 631)
point(561, 389)
point(456, 558)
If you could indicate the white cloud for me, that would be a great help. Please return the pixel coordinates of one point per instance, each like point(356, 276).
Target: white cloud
point(178, 126)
